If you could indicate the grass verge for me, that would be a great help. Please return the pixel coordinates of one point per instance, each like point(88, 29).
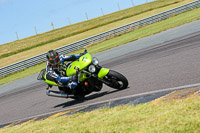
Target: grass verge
point(174, 116)
point(67, 31)
point(53, 45)
point(134, 35)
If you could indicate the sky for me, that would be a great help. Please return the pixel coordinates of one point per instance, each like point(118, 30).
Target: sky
point(23, 18)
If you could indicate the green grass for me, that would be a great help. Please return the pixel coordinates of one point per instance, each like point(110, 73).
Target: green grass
point(35, 50)
point(67, 31)
point(174, 116)
point(131, 36)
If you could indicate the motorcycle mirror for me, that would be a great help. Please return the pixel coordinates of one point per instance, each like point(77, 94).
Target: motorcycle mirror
point(85, 50)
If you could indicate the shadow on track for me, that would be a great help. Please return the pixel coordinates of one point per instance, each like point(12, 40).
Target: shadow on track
point(90, 97)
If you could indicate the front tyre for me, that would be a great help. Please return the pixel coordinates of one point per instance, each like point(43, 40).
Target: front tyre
point(116, 80)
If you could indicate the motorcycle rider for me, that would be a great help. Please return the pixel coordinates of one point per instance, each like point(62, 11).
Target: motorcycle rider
point(54, 65)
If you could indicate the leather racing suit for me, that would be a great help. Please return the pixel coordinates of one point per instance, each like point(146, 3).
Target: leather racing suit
point(57, 74)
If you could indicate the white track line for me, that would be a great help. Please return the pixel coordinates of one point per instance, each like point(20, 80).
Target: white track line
point(120, 98)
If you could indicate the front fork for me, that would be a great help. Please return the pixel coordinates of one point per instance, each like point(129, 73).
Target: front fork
point(101, 74)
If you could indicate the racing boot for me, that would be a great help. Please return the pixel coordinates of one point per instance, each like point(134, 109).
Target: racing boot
point(72, 85)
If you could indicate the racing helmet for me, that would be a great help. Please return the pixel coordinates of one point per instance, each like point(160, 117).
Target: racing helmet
point(53, 58)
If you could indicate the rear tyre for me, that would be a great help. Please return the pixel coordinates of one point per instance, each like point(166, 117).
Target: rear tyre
point(116, 80)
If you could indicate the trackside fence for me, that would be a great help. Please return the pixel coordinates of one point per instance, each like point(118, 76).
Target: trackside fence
point(97, 38)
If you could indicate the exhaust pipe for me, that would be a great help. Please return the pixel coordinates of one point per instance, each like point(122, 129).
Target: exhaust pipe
point(58, 94)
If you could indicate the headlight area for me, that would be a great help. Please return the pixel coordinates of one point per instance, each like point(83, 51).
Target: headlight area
point(95, 61)
point(92, 68)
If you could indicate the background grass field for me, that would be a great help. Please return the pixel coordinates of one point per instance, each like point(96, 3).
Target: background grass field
point(131, 36)
point(34, 45)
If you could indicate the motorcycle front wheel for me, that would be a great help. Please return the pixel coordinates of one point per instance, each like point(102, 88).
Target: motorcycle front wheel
point(116, 80)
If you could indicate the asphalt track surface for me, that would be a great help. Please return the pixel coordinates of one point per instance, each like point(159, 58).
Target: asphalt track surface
point(166, 65)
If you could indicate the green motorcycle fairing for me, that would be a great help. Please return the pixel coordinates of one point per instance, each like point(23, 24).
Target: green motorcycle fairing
point(49, 81)
point(103, 72)
point(81, 64)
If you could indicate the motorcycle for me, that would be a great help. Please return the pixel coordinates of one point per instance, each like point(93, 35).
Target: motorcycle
point(90, 78)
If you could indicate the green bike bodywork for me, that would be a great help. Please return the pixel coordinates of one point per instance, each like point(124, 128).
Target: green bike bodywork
point(49, 81)
point(103, 72)
point(82, 63)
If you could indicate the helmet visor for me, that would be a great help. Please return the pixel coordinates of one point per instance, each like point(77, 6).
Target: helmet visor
point(54, 61)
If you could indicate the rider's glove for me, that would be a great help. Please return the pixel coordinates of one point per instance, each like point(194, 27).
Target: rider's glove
point(81, 54)
point(85, 51)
